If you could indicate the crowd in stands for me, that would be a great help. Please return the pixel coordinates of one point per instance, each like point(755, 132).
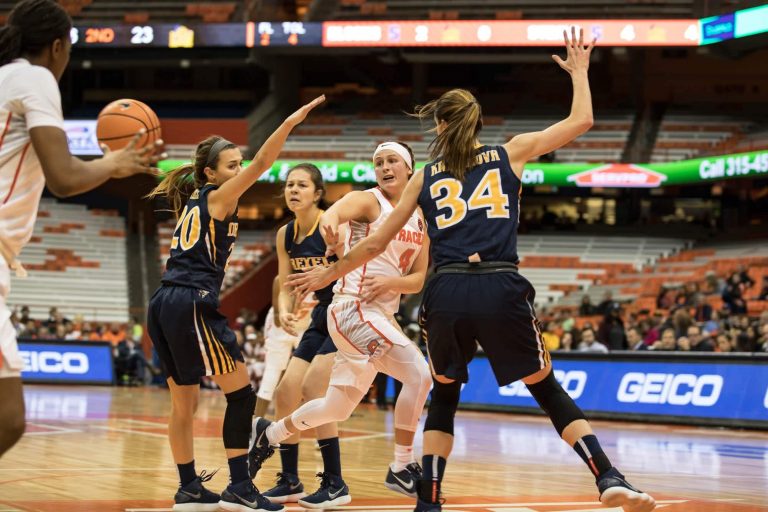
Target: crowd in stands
point(683, 321)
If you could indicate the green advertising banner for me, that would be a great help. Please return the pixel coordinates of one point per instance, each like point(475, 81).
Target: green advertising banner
point(606, 175)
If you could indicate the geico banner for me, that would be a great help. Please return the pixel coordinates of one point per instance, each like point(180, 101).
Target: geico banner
point(729, 391)
point(66, 362)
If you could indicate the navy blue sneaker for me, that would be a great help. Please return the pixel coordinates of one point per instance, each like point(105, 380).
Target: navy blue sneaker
point(260, 449)
point(423, 506)
point(333, 492)
point(193, 497)
point(245, 497)
point(615, 491)
point(287, 489)
point(404, 481)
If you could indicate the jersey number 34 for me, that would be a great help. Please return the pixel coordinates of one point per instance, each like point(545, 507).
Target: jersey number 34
point(487, 195)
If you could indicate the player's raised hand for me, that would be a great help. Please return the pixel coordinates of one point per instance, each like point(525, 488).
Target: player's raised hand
point(306, 282)
point(132, 160)
point(577, 55)
point(301, 114)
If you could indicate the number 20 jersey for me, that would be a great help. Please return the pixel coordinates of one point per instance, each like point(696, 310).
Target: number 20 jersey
point(201, 245)
point(477, 216)
point(396, 260)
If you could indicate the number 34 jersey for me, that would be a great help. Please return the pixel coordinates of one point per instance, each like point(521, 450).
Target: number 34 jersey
point(396, 260)
point(475, 219)
point(201, 245)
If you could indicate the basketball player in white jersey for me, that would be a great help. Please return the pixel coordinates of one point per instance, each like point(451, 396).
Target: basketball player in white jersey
point(279, 345)
point(361, 317)
point(34, 52)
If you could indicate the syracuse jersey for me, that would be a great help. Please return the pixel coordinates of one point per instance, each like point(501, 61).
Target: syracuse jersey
point(396, 260)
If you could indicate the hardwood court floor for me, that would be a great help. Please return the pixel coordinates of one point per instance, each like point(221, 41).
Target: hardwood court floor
point(105, 449)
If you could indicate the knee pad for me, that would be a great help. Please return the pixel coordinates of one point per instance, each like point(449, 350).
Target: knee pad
point(560, 407)
point(239, 417)
point(442, 407)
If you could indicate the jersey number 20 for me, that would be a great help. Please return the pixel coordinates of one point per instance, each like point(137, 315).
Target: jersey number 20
point(187, 230)
point(487, 195)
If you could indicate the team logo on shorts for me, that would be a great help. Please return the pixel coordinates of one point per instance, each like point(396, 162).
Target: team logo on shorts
point(203, 293)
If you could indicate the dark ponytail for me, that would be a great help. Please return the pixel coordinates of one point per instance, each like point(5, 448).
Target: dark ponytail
point(32, 25)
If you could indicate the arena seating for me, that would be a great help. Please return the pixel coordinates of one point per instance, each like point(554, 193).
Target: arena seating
point(511, 9)
point(559, 264)
point(641, 287)
point(689, 136)
point(355, 137)
point(76, 261)
point(117, 11)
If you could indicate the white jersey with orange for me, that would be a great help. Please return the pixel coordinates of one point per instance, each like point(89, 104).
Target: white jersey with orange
point(396, 260)
point(29, 97)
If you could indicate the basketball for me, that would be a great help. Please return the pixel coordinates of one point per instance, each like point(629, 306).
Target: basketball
point(119, 122)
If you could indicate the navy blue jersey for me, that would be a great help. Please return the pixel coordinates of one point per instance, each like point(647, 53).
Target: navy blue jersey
point(477, 216)
point(201, 245)
point(308, 254)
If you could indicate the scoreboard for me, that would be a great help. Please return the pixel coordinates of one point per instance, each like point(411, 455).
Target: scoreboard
point(174, 35)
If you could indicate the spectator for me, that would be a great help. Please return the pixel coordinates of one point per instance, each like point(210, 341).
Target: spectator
point(30, 329)
point(589, 342)
point(723, 343)
point(667, 341)
point(747, 341)
point(130, 364)
point(656, 326)
point(683, 344)
point(18, 326)
point(703, 312)
point(611, 330)
point(566, 342)
point(135, 330)
point(744, 277)
point(605, 306)
point(551, 340)
point(764, 291)
point(634, 340)
point(712, 326)
point(24, 318)
point(586, 308)
point(681, 321)
point(114, 335)
point(699, 342)
point(733, 297)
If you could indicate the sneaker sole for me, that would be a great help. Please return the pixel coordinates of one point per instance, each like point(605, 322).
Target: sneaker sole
point(628, 500)
point(196, 507)
point(236, 507)
point(341, 500)
point(288, 498)
point(399, 489)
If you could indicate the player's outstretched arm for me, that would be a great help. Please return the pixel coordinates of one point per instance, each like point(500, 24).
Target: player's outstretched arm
point(229, 193)
point(530, 145)
point(356, 205)
point(368, 248)
point(67, 175)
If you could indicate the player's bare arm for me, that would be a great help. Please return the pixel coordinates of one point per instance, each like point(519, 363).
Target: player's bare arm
point(285, 299)
point(526, 146)
point(358, 205)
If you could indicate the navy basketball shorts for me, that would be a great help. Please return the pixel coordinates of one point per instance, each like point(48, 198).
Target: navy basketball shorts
point(459, 311)
point(316, 341)
point(190, 335)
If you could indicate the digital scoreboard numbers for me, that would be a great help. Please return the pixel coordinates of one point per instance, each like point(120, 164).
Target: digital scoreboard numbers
point(167, 35)
point(286, 33)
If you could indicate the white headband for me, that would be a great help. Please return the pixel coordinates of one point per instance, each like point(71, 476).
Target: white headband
point(397, 148)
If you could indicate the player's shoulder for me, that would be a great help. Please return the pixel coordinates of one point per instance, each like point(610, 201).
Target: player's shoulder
point(28, 76)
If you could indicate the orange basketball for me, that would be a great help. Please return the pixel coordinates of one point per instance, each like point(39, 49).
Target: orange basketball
point(119, 122)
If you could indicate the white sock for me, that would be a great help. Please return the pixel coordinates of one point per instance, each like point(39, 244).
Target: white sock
point(277, 432)
point(403, 457)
